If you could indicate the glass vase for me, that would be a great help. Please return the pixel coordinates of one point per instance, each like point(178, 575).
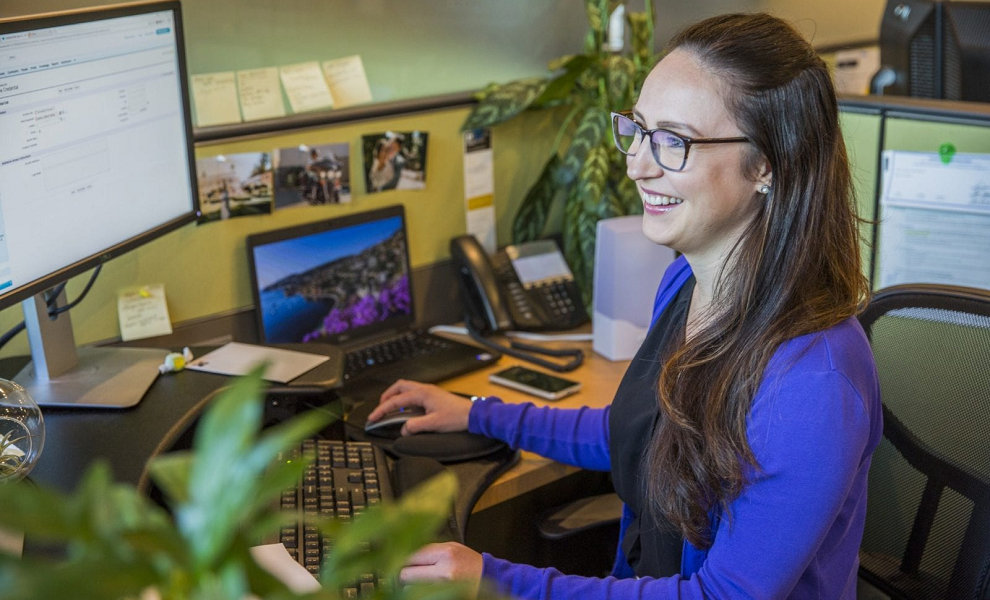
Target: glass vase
point(22, 431)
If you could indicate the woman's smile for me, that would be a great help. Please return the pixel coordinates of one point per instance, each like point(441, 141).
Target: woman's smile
point(658, 204)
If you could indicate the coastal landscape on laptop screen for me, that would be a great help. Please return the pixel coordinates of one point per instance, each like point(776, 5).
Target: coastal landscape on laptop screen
point(327, 283)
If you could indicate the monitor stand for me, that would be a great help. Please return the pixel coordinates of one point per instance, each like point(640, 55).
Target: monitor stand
point(60, 374)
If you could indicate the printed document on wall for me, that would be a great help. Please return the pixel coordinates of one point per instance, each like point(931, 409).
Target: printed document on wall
point(934, 219)
point(479, 187)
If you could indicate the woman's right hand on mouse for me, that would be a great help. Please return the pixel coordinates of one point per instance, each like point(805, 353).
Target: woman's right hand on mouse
point(445, 412)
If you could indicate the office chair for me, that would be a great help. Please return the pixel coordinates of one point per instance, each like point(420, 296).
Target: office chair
point(927, 529)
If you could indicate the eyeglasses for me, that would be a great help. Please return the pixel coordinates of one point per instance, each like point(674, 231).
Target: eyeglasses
point(670, 149)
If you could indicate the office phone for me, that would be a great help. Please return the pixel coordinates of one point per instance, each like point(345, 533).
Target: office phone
point(523, 287)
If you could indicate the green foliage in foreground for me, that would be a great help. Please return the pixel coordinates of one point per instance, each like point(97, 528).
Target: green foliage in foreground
point(119, 544)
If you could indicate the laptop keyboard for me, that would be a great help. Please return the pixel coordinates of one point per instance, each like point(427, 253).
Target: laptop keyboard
point(410, 345)
point(342, 480)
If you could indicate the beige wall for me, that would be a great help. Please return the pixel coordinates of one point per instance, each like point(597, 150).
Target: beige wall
point(823, 22)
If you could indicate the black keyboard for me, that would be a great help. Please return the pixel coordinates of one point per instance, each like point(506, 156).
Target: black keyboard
point(408, 346)
point(342, 481)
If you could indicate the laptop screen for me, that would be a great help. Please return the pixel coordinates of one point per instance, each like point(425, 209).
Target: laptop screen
point(334, 280)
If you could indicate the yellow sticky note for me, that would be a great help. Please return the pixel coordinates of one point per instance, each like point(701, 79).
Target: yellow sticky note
point(260, 94)
point(347, 80)
point(215, 98)
point(143, 313)
point(305, 87)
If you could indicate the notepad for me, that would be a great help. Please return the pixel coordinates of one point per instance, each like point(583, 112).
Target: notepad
point(238, 359)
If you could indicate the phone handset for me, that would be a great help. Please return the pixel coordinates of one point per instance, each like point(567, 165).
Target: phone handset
point(486, 308)
point(485, 305)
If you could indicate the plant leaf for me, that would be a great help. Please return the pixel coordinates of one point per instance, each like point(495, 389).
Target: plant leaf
point(621, 72)
point(560, 89)
point(382, 539)
point(558, 63)
point(89, 578)
point(588, 135)
point(642, 39)
point(170, 472)
point(593, 9)
point(531, 218)
point(503, 102)
point(36, 511)
point(593, 178)
point(579, 243)
point(219, 482)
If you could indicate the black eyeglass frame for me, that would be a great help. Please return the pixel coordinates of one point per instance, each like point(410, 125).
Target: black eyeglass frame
point(648, 134)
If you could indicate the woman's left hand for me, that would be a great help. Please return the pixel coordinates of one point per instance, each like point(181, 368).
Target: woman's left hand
point(449, 561)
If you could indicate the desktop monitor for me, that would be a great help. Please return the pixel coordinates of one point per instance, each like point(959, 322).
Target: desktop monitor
point(935, 49)
point(96, 159)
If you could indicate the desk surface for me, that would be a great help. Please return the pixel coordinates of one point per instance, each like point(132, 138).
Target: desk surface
point(599, 378)
point(127, 437)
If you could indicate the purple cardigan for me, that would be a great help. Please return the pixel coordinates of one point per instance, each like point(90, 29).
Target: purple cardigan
point(795, 529)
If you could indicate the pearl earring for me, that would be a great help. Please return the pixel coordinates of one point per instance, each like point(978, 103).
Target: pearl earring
point(764, 189)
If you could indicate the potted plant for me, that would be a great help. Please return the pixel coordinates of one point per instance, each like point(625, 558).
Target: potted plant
point(119, 544)
point(583, 167)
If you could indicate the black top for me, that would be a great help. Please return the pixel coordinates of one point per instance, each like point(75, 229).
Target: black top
point(652, 546)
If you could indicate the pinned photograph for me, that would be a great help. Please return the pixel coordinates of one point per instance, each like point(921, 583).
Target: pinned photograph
point(395, 161)
point(235, 185)
point(310, 175)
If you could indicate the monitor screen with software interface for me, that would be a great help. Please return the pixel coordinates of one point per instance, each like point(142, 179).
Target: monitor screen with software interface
point(96, 150)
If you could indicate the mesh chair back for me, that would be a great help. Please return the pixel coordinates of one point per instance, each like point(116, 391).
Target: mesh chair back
point(928, 517)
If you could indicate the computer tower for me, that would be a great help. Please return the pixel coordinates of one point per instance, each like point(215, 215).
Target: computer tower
point(910, 48)
point(938, 50)
point(966, 51)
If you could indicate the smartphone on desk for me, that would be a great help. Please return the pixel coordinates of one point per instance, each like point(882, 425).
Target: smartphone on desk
point(541, 385)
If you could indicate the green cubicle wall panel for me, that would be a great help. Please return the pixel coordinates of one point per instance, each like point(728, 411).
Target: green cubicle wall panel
point(926, 136)
point(204, 267)
point(861, 133)
point(919, 134)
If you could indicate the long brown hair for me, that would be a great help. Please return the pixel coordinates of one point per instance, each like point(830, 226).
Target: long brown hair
point(794, 271)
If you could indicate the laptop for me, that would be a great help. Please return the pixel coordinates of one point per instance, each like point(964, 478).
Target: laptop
point(346, 282)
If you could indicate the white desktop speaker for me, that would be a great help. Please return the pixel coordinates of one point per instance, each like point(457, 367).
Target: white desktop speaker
point(628, 268)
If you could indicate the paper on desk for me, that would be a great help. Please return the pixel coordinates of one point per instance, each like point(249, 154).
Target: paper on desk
point(143, 313)
point(305, 87)
point(260, 93)
point(348, 81)
point(238, 359)
point(934, 218)
point(215, 96)
point(275, 559)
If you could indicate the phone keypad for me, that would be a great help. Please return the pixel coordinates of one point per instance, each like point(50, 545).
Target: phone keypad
point(558, 299)
point(520, 301)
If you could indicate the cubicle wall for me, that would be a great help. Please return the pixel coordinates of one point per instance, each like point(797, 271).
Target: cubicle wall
point(875, 125)
point(204, 267)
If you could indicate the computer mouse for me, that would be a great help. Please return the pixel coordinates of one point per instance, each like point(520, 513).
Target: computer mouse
point(391, 423)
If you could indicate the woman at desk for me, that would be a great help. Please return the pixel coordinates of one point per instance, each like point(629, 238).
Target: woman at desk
point(741, 435)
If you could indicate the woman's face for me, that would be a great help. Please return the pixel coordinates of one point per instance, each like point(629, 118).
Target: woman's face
point(702, 210)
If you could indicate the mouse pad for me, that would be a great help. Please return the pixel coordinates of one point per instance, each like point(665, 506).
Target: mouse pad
point(443, 447)
point(447, 447)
